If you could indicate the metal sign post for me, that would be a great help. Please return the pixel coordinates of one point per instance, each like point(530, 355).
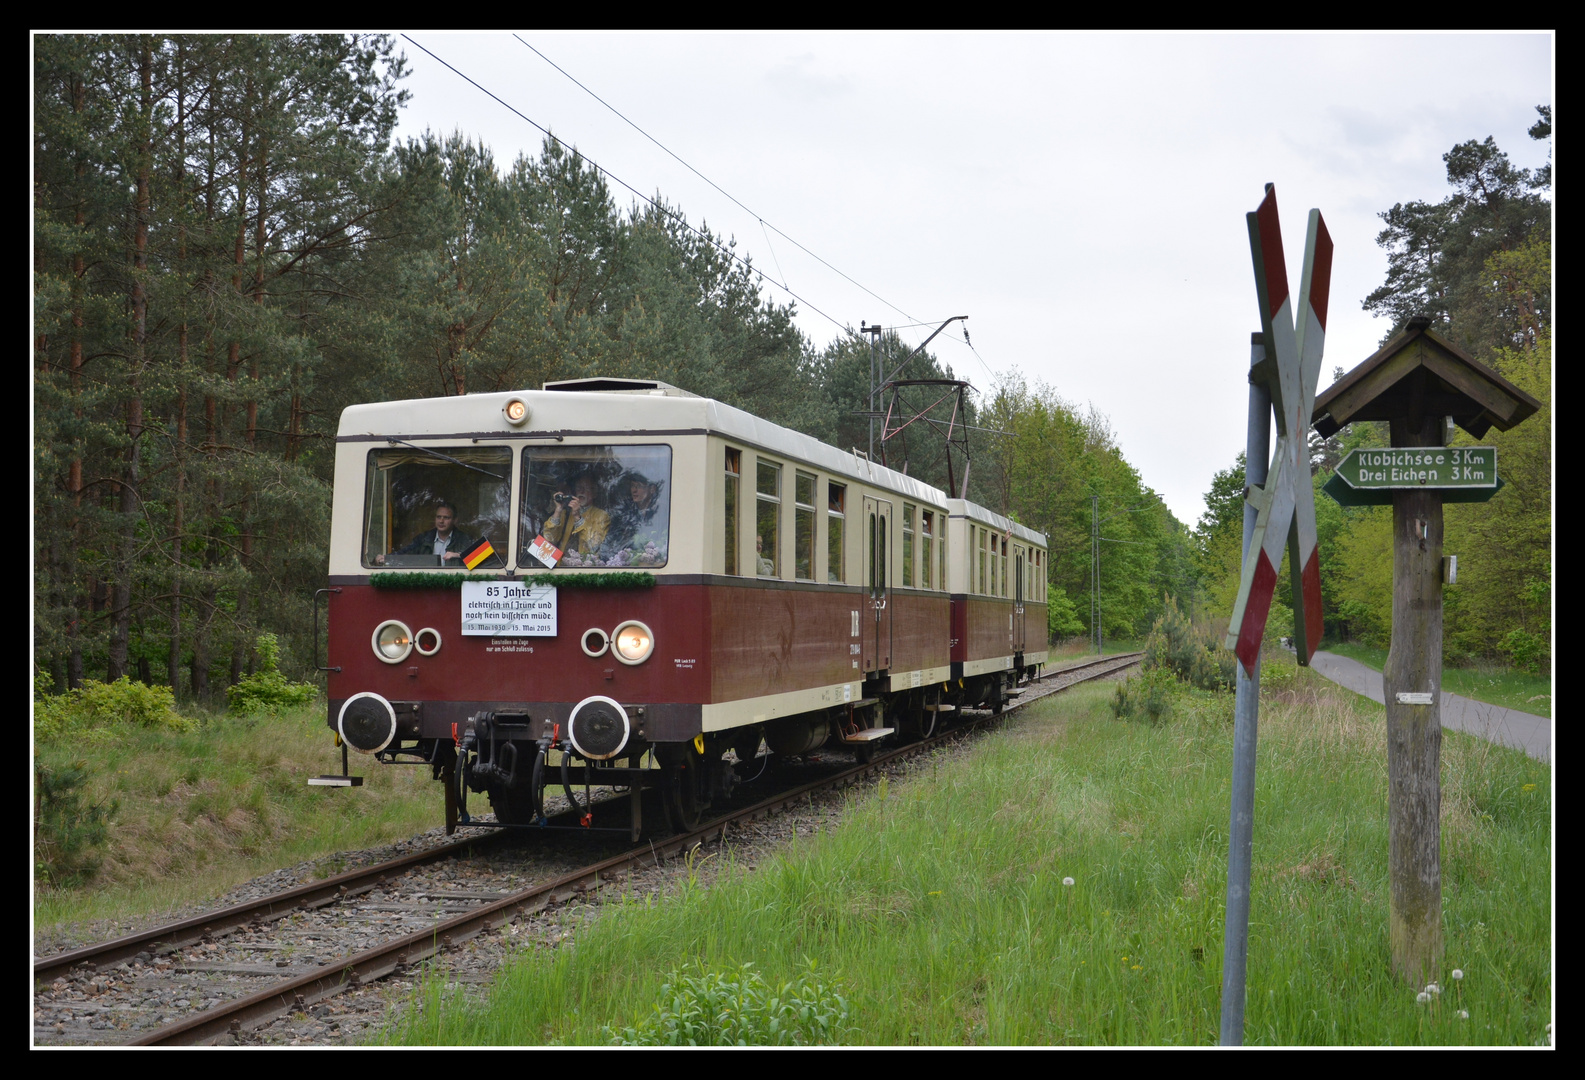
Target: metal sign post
point(1279, 508)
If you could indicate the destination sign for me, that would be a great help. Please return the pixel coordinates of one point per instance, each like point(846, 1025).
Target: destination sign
point(1421, 467)
point(508, 609)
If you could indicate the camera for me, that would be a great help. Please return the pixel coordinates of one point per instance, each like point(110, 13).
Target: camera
point(562, 498)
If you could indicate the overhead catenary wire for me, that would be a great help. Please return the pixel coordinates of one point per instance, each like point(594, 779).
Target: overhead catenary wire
point(763, 223)
point(658, 207)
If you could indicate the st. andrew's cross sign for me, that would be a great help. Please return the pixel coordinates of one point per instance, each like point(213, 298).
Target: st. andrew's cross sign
point(1285, 505)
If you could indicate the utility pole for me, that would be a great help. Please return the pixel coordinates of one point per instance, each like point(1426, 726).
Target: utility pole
point(874, 332)
point(1095, 572)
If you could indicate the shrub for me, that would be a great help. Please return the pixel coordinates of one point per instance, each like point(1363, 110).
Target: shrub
point(1191, 654)
point(95, 710)
point(267, 690)
point(707, 1008)
point(1148, 696)
point(68, 833)
point(1526, 649)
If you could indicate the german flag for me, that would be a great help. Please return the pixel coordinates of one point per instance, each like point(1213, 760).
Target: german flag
point(477, 554)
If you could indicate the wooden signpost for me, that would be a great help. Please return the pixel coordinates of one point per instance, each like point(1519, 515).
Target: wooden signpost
point(1416, 382)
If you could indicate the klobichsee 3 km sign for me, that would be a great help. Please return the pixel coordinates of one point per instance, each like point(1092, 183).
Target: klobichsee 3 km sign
point(1417, 467)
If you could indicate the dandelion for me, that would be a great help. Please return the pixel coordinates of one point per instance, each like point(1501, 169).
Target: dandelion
point(1463, 1014)
point(1457, 974)
point(1433, 988)
point(1067, 881)
point(1528, 787)
point(1422, 997)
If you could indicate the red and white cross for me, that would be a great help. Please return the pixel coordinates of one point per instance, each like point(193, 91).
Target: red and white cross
point(1285, 505)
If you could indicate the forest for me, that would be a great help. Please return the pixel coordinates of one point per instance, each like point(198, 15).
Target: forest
point(229, 249)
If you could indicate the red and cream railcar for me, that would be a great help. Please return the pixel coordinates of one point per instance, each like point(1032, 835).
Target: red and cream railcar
point(615, 582)
point(997, 578)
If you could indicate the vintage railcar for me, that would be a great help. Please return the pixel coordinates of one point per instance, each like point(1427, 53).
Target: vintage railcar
point(615, 583)
point(998, 585)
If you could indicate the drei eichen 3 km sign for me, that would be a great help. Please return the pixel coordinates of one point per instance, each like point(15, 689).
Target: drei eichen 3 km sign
point(1413, 467)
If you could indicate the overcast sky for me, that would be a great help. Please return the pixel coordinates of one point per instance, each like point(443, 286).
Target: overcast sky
point(1080, 197)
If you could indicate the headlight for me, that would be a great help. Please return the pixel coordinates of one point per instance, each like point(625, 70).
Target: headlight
point(392, 641)
point(633, 642)
point(516, 412)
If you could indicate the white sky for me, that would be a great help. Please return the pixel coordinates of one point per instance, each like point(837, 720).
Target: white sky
point(1080, 197)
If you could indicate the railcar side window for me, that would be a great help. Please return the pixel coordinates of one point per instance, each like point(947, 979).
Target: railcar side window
point(804, 528)
point(981, 533)
point(836, 502)
point(734, 471)
point(926, 523)
point(605, 506)
point(908, 545)
point(447, 507)
point(767, 517)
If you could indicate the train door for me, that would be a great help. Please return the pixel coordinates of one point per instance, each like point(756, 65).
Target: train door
point(877, 646)
point(1018, 598)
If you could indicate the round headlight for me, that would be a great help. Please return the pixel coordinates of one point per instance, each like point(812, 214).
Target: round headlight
point(392, 641)
point(515, 411)
point(427, 641)
point(633, 642)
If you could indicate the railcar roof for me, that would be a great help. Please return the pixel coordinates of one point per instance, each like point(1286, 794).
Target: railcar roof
point(621, 414)
point(976, 512)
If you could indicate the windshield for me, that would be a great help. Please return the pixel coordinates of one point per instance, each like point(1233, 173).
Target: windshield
point(605, 506)
point(443, 508)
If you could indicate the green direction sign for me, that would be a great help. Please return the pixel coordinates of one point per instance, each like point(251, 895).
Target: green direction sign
point(1460, 473)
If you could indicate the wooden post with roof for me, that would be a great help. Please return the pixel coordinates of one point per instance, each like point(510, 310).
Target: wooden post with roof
point(1416, 382)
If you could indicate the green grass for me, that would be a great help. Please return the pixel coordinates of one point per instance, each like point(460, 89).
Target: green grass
point(203, 811)
point(1490, 683)
point(939, 908)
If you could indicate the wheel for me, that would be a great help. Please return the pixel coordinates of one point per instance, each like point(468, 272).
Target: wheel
point(680, 785)
point(928, 717)
point(513, 806)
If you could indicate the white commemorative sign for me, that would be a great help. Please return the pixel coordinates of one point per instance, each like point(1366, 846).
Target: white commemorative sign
point(508, 609)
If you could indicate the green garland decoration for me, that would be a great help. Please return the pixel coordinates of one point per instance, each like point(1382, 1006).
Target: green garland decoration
point(621, 579)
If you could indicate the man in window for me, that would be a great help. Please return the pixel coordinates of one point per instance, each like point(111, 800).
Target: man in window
point(443, 540)
point(578, 526)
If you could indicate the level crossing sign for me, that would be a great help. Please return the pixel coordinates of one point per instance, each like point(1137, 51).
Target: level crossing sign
point(1285, 504)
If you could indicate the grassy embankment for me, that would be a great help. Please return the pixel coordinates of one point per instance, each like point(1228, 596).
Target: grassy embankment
point(200, 812)
point(1489, 683)
point(941, 906)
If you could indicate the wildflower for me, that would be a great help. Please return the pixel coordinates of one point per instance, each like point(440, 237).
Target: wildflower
point(1433, 988)
point(1136, 967)
point(1422, 997)
point(1528, 787)
point(1067, 881)
point(1463, 1014)
point(1457, 974)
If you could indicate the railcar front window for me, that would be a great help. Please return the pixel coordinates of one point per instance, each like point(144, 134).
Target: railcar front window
point(443, 507)
point(595, 506)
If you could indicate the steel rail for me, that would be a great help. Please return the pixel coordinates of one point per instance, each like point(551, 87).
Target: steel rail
point(396, 956)
point(268, 909)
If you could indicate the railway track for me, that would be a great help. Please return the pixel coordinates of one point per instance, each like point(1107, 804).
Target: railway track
point(405, 911)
